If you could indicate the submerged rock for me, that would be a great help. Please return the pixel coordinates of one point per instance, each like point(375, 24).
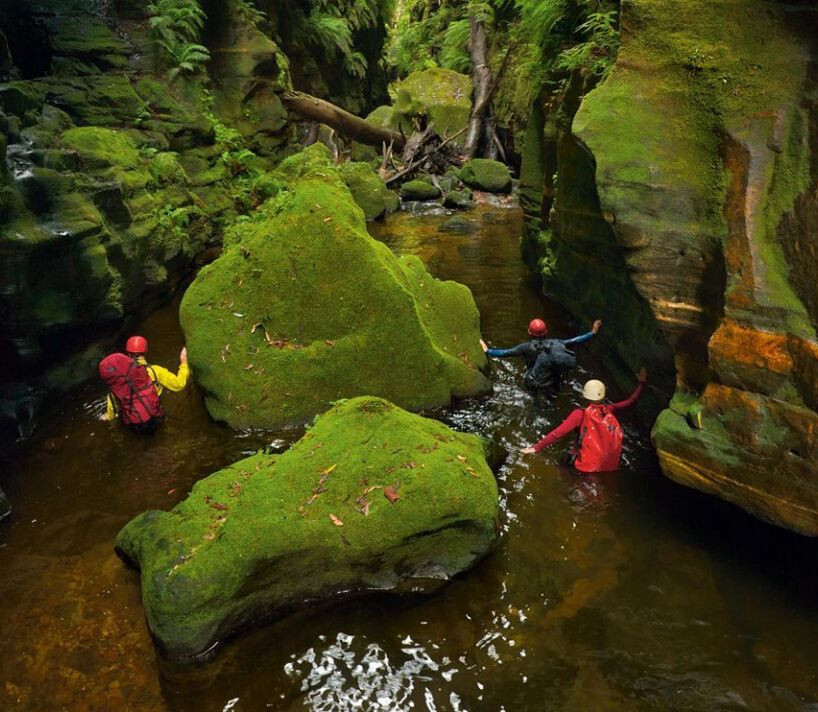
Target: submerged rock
point(458, 224)
point(371, 496)
point(369, 190)
point(488, 175)
point(304, 308)
point(419, 190)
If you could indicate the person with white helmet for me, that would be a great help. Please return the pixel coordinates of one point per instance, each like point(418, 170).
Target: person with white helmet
point(599, 445)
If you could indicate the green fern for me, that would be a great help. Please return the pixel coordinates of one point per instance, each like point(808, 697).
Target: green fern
point(175, 27)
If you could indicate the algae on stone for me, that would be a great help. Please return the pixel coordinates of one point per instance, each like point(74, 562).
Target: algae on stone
point(419, 190)
point(368, 189)
point(272, 532)
point(485, 174)
point(304, 307)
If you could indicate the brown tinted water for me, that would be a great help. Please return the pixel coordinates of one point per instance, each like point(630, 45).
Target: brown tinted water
point(621, 591)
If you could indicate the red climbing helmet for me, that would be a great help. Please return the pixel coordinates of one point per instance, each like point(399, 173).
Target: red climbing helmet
point(537, 327)
point(137, 345)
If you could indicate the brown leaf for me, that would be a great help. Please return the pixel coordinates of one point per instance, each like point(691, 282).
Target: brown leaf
point(218, 505)
point(329, 342)
point(365, 508)
point(410, 465)
point(248, 367)
point(326, 220)
point(171, 491)
point(257, 326)
point(371, 489)
point(391, 494)
point(461, 458)
point(337, 522)
point(471, 471)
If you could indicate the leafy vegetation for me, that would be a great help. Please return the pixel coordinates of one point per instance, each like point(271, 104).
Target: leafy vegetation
point(175, 27)
point(547, 41)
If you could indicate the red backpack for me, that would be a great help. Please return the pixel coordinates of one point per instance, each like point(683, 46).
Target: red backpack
point(600, 440)
point(133, 389)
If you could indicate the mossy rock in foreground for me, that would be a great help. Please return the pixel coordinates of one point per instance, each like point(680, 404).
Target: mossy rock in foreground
point(488, 175)
point(272, 532)
point(304, 308)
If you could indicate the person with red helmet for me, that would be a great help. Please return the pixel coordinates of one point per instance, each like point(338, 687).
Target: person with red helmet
point(545, 359)
point(135, 386)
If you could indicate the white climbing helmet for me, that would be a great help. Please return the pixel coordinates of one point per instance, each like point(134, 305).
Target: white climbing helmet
point(594, 391)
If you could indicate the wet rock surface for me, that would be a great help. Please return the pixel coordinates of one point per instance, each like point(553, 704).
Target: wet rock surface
point(370, 497)
point(484, 174)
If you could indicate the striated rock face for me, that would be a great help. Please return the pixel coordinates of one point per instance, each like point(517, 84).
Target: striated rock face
point(688, 191)
point(370, 497)
point(304, 308)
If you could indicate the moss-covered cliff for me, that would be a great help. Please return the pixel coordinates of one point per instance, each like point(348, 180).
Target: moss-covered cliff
point(685, 199)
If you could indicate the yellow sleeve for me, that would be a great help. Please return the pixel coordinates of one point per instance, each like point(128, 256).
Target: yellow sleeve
point(110, 408)
point(170, 380)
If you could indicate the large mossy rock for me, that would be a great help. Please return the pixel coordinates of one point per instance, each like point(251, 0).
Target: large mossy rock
point(369, 190)
point(488, 175)
point(438, 96)
point(304, 308)
point(686, 217)
point(273, 532)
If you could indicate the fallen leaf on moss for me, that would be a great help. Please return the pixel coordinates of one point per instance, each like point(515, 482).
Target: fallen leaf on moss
point(337, 522)
point(248, 367)
point(218, 505)
point(409, 465)
point(171, 491)
point(329, 469)
point(329, 342)
point(471, 471)
point(391, 494)
point(461, 458)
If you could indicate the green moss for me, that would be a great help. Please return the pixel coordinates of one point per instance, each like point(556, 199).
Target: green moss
point(438, 96)
point(368, 189)
point(255, 537)
point(485, 174)
point(308, 308)
point(419, 190)
point(99, 147)
point(165, 168)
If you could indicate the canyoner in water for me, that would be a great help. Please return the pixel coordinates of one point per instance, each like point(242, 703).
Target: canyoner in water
point(545, 359)
point(135, 386)
point(598, 447)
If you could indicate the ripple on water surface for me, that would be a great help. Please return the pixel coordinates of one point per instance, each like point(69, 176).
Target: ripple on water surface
point(618, 591)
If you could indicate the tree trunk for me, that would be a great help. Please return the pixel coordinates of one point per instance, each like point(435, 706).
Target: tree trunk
point(342, 121)
point(481, 78)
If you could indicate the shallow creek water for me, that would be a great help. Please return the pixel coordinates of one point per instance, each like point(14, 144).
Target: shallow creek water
point(621, 591)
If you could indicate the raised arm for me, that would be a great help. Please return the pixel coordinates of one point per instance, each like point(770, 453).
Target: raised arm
point(582, 338)
point(572, 422)
point(519, 350)
point(635, 396)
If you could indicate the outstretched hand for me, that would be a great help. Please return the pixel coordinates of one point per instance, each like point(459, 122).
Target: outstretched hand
point(183, 355)
point(484, 345)
point(528, 451)
point(597, 326)
point(642, 375)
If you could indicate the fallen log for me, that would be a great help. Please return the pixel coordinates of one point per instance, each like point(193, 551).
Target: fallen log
point(342, 121)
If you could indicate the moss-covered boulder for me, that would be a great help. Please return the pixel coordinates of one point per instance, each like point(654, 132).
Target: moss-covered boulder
point(458, 199)
point(438, 96)
point(419, 190)
point(369, 497)
point(488, 175)
point(304, 307)
point(369, 190)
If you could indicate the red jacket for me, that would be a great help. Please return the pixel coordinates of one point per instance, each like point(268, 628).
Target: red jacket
point(574, 421)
